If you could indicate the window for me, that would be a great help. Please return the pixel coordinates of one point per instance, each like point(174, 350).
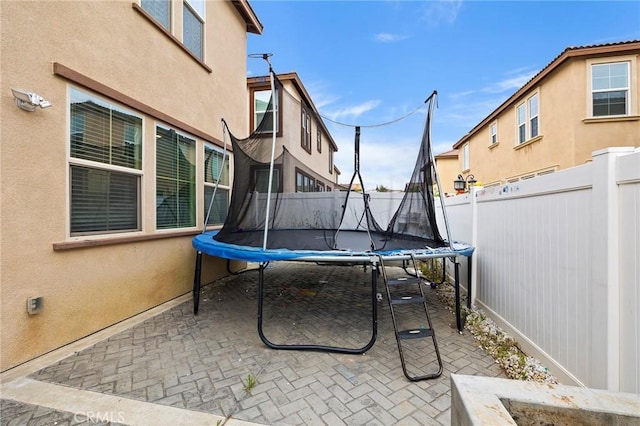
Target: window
point(260, 176)
point(193, 26)
point(521, 123)
point(465, 157)
point(305, 140)
point(610, 89)
point(105, 166)
point(216, 165)
point(319, 139)
point(175, 180)
point(527, 120)
point(533, 116)
point(160, 10)
point(493, 130)
point(304, 182)
point(262, 110)
point(330, 161)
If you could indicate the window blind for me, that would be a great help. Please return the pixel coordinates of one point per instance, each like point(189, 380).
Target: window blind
point(175, 180)
point(159, 9)
point(103, 201)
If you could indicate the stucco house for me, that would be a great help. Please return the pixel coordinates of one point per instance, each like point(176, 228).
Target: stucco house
point(300, 129)
point(111, 142)
point(447, 165)
point(584, 100)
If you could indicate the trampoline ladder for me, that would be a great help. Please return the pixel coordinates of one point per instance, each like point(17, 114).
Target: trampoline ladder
point(406, 297)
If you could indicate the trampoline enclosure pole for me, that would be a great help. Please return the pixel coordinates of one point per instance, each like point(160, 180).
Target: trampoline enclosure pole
point(274, 105)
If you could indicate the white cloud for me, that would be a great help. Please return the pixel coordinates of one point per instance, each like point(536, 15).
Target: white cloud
point(510, 84)
point(353, 111)
point(389, 38)
point(320, 95)
point(442, 11)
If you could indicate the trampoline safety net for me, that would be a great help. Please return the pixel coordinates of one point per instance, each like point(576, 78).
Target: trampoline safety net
point(328, 220)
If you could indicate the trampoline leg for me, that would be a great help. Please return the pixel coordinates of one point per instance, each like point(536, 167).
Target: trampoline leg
point(457, 294)
point(469, 260)
point(321, 348)
point(260, 303)
point(196, 283)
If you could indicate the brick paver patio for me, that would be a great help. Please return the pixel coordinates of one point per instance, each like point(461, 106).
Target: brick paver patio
point(202, 362)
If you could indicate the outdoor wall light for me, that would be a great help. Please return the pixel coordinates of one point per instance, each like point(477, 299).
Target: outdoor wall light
point(460, 184)
point(28, 101)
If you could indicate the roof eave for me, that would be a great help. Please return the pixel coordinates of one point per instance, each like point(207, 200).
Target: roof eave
point(568, 53)
point(250, 18)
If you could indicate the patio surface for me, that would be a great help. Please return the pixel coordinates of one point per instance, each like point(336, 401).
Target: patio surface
point(176, 368)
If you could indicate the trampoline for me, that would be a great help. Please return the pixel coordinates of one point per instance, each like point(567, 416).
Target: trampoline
point(269, 219)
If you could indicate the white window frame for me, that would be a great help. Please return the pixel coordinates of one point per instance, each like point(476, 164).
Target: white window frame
point(256, 122)
point(100, 166)
point(525, 118)
point(197, 8)
point(632, 89)
point(533, 115)
point(226, 186)
point(194, 140)
point(465, 156)
point(493, 133)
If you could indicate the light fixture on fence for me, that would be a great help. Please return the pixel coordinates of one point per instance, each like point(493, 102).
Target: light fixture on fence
point(28, 101)
point(460, 184)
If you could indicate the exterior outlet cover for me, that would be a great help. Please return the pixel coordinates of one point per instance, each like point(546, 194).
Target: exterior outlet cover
point(34, 305)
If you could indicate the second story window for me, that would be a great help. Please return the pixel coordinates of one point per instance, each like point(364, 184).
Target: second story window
point(521, 117)
point(527, 120)
point(493, 131)
point(262, 110)
point(160, 10)
point(610, 89)
point(193, 26)
point(533, 116)
point(465, 157)
point(305, 139)
point(319, 139)
point(330, 161)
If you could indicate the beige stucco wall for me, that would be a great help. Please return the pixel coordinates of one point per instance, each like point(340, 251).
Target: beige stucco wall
point(317, 161)
point(87, 289)
point(567, 136)
point(447, 172)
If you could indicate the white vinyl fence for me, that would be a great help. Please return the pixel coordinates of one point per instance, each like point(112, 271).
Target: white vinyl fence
point(557, 265)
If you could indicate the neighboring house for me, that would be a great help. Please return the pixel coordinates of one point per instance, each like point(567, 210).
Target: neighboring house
point(300, 129)
point(448, 170)
point(103, 190)
point(586, 99)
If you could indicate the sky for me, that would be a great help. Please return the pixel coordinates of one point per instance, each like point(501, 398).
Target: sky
point(371, 62)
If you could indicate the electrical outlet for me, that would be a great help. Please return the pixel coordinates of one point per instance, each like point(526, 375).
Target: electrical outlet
point(34, 305)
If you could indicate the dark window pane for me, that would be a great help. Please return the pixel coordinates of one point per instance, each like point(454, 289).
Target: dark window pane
point(610, 103)
point(220, 205)
point(103, 201)
point(534, 127)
